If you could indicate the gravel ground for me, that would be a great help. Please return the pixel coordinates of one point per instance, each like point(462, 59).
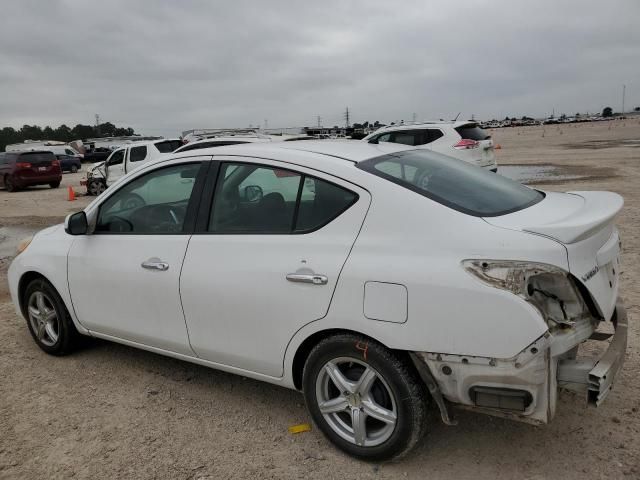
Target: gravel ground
point(115, 412)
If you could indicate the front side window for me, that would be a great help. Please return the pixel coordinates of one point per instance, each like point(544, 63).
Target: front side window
point(116, 158)
point(153, 203)
point(137, 154)
point(454, 183)
point(253, 198)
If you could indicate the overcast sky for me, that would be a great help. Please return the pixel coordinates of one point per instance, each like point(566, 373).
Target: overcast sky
point(166, 66)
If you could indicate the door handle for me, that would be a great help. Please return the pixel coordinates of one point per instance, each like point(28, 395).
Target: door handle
point(308, 278)
point(155, 264)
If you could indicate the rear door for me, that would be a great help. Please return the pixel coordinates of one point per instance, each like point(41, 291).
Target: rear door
point(483, 155)
point(267, 259)
point(136, 157)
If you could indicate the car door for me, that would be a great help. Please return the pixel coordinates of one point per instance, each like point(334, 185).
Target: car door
point(124, 277)
point(115, 166)
point(136, 157)
point(266, 260)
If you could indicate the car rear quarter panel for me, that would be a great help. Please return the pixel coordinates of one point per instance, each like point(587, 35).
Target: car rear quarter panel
point(410, 240)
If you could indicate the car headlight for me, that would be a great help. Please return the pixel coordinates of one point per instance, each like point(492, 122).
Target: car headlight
point(24, 243)
point(550, 289)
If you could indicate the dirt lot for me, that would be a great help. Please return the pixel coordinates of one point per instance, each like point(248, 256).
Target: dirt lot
point(110, 411)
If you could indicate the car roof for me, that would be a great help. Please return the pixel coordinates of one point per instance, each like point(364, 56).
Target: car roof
point(349, 150)
point(415, 126)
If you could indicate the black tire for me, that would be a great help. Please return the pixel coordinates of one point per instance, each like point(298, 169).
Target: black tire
point(9, 186)
point(96, 187)
point(405, 396)
point(67, 335)
point(54, 184)
point(74, 169)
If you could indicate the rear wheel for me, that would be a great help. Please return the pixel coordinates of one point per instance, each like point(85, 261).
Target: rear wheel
point(9, 184)
point(54, 184)
point(48, 319)
point(366, 399)
point(74, 169)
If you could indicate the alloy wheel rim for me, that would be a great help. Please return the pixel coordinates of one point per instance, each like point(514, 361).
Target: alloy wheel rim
point(43, 318)
point(356, 402)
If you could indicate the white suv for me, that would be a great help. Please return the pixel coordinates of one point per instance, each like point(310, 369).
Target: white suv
point(463, 140)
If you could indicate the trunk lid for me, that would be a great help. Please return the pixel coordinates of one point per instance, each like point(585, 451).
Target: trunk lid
point(584, 223)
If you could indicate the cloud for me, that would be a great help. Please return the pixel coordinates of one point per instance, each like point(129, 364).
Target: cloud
point(163, 67)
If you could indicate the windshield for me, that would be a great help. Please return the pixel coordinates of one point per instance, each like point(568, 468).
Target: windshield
point(454, 183)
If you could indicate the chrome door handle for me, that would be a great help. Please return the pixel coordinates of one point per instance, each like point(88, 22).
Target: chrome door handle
point(308, 278)
point(155, 264)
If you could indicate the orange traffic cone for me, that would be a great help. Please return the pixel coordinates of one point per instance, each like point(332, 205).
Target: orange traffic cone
point(72, 194)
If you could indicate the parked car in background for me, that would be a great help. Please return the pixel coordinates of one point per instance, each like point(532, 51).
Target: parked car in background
point(123, 160)
point(99, 154)
point(57, 148)
point(463, 140)
point(23, 169)
point(223, 140)
point(370, 277)
point(69, 163)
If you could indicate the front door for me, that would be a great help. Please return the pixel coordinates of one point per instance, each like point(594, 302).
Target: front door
point(114, 166)
point(124, 278)
point(268, 262)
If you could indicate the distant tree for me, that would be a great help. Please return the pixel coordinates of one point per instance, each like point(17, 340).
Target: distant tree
point(357, 125)
point(83, 131)
point(507, 118)
point(607, 112)
point(637, 109)
point(366, 124)
point(29, 132)
point(376, 123)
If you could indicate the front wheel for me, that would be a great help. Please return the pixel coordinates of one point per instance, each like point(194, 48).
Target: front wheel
point(366, 399)
point(96, 187)
point(54, 184)
point(74, 169)
point(48, 319)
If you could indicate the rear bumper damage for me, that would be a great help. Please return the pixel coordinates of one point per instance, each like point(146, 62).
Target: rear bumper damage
point(595, 376)
point(525, 387)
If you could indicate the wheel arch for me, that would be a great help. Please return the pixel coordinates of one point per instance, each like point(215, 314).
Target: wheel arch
point(304, 349)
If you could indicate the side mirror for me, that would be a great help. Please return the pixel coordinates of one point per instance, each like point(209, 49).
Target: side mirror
point(76, 224)
point(252, 193)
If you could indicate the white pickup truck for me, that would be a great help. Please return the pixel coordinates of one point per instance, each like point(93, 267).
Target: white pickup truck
point(123, 160)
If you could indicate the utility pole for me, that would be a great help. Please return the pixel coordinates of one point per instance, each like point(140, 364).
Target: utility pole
point(98, 124)
point(266, 123)
point(624, 87)
point(346, 117)
point(414, 116)
point(319, 121)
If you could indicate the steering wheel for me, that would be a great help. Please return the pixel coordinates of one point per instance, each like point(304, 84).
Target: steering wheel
point(158, 218)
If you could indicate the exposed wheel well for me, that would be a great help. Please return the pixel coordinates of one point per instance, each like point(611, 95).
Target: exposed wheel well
point(300, 358)
point(25, 280)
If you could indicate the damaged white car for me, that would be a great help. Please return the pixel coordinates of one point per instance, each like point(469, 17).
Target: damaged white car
point(370, 277)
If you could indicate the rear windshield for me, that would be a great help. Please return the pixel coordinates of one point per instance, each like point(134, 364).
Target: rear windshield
point(37, 158)
point(454, 183)
point(168, 145)
point(471, 131)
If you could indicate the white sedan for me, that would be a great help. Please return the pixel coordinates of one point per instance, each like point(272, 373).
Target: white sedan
point(370, 277)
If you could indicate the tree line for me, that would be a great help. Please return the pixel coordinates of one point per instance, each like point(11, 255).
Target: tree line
point(63, 133)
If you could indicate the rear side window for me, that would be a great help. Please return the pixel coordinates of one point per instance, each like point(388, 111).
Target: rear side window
point(168, 146)
point(37, 158)
point(453, 183)
point(260, 199)
point(471, 131)
point(138, 153)
point(321, 202)
point(410, 137)
point(68, 151)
